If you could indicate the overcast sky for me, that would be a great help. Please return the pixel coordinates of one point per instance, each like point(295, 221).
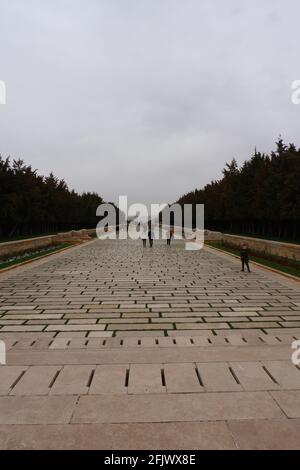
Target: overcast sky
point(146, 98)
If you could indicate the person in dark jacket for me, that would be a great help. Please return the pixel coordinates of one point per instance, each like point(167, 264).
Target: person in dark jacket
point(170, 236)
point(144, 234)
point(150, 233)
point(245, 257)
point(150, 236)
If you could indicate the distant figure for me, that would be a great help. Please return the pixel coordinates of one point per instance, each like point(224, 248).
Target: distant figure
point(245, 257)
point(144, 234)
point(150, 236)
point(170, 236)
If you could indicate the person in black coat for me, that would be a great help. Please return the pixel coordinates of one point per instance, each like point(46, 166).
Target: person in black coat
point(170, 236)
point(245, 257)
point(150, 236)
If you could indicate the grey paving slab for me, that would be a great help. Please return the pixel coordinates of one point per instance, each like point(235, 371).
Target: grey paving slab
point(137, 436)
point(37, 380)
point(157, 355)
point(182, 378)
point(176, 407)
point(285, 373)
point(289, 402)
point(146, 379)
point(72, 380)
point(9, 376)
point(280, 434)
point(253, 376)
point(110, 379)
point(218, 377)
point(36, 410)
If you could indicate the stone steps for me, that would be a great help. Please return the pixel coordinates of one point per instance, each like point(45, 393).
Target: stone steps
point(150, 378)
point(141, 342)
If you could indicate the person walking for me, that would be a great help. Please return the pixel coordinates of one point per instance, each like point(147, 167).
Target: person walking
point(170, 236)
point(144, 234)
point(150, 235)
point(245, 257)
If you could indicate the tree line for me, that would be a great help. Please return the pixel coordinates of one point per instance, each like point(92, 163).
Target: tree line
point(35, 204)
point(260, 198)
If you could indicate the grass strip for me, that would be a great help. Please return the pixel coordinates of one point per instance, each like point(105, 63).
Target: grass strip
point(31, 256)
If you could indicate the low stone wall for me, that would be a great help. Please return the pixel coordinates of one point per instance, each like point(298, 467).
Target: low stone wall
point(285, 250)
point(212, 236)
point(14, 248)
point(18, 247)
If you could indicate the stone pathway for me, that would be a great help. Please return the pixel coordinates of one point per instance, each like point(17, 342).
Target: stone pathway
point(115, 347)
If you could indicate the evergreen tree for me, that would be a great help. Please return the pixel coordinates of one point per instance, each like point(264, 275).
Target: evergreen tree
point(32, 204)
point(262, 197)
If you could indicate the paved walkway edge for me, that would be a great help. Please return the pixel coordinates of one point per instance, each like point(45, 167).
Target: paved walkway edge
point(263, 266)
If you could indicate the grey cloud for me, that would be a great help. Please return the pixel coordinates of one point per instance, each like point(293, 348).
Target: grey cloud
point(147, 98)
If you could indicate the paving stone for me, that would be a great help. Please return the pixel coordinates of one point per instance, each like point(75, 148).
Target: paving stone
point(285, 373)
point(72, 380)
point(146, 379)
point(287, 331)
point(23, 343)
point(145, 436)
point(59, 343)
point(271, 318)
point(148, 342)
point(183, 341)
point(126, 334)
point(178, 320)
point(36, 381)
point(21, 328)
point(18, 307)
point(120, 321)
point(236, 340)
point(36, 410)
point(202, 326)
point(238, 314)
point(166, 342)
point(176, 407)
point(8, 376)
point(201, 341)
point(139, 326)
point(268, 339)
point(256, 325)
point(280, 434)
point(40, 316)
point(110, 379)
point(78, 343)
point(253, 376)
point(289, 402)
point(100, 334)
point(68, 327)
point(217, 377)
point(182, 378)
point(290, 324)
point(130, 342)
point(82, 321)
point(11, 322)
